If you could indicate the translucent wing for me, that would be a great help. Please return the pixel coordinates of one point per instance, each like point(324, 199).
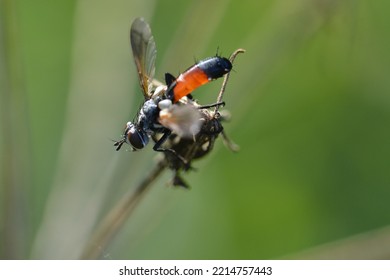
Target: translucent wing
point(144, 52)
point(183, 120)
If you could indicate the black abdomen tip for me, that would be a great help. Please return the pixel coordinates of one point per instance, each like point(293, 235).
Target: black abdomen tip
point(215, 67)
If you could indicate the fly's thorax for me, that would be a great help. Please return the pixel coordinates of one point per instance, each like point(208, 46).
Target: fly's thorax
point(147, 116)
point(149, 108)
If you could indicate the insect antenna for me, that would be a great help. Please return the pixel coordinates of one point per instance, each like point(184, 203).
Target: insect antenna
point(118, 144)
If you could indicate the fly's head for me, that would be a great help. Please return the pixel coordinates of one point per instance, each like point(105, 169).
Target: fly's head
point(133, 136)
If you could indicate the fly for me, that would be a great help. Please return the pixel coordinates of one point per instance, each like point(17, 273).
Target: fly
point(163, 112)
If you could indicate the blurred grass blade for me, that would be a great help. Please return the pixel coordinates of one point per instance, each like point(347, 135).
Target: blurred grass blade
point(118, 215)
point(188, 33)
point(371, 245)
point(88, 162)
point(15, 143)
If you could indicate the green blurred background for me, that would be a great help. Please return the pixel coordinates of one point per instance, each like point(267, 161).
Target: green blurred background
point(310, 110)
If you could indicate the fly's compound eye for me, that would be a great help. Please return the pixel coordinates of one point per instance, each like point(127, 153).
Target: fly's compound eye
point(134, 137)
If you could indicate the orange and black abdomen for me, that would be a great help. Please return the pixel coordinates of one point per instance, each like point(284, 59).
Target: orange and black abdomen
point(197, 75)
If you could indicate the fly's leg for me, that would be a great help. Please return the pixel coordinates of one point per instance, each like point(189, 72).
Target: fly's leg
point(229, 143)
point(157, 147)
point(179, 182)
point(222, 103)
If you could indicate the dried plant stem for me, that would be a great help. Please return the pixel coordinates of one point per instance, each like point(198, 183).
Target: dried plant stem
point(225, 80)
point(118, 215)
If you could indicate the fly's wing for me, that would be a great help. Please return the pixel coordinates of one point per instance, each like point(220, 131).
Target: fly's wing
point(144, 52)
point(183, 120)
